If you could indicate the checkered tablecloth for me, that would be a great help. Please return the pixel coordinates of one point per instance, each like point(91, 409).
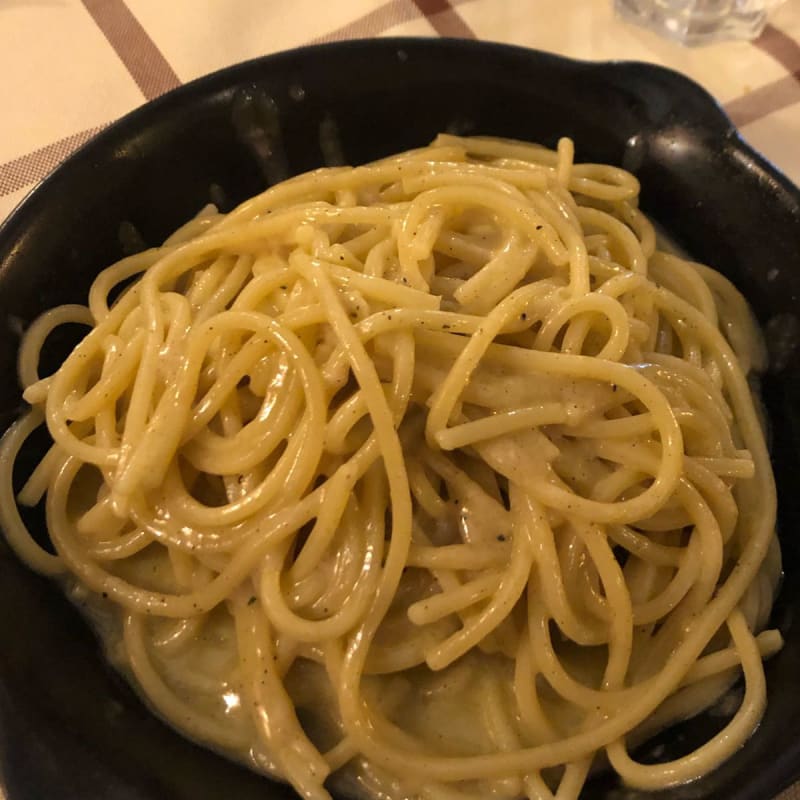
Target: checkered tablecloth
point(70, 67)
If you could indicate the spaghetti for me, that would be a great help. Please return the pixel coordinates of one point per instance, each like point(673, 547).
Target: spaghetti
point(435, 473)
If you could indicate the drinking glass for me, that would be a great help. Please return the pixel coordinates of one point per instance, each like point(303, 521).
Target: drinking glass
point(699, 21)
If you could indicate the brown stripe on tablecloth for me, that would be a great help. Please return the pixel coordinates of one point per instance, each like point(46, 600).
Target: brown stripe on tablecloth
point(380, 19)
point(758, 103)
point(782, 47)
point(32, 167)
point(446, 21)
point(442, 16)
point(777, 94)
point(131, 42)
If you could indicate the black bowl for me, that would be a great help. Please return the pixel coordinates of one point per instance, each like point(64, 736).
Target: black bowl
point(70, 727)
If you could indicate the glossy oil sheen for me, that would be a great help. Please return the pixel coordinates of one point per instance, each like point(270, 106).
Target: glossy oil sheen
point(69, 727)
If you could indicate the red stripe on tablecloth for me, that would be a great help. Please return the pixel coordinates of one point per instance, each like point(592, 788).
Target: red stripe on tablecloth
point(131, 42)
point(32, 167)
point(444, 18)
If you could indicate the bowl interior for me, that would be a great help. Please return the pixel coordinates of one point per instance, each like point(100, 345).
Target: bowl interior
point(226, 137)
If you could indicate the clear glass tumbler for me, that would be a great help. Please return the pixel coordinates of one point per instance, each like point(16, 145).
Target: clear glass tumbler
point(699, 21)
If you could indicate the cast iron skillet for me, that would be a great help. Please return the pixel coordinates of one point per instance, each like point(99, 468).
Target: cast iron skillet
point(70, 728)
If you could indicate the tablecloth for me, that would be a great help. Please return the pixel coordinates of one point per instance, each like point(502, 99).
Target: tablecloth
point(70, 67)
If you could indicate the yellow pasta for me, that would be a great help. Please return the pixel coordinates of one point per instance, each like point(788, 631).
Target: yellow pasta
point(439, 476)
